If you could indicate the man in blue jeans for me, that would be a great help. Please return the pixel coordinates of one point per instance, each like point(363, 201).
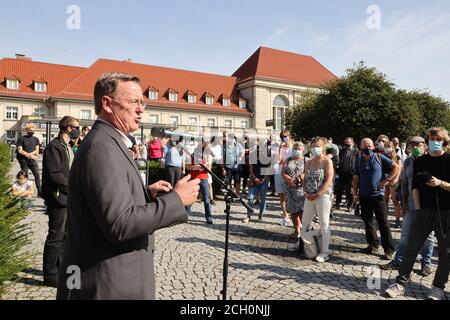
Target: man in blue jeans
point(259, 181)
point(417, 147)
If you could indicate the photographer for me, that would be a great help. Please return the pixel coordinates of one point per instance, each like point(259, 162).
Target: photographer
point(431, 191)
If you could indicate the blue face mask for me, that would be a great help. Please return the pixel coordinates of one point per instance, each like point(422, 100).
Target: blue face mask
point(435, 146)
point(367, 151)
point(316, 151)
point(296, 153)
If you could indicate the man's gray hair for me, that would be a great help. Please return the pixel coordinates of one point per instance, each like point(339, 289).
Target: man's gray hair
point(107, 84)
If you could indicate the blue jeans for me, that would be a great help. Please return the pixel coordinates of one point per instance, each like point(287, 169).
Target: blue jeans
point(427, 248)
point(262, 191)
point(205, 197)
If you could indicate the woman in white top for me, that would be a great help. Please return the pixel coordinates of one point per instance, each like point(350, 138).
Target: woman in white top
point(284, 153)
point(319, 173)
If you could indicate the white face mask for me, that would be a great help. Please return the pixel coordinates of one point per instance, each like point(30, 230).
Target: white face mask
point(296, 153)
point(316, 151)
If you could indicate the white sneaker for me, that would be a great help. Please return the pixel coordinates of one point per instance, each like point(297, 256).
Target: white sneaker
point(436, 294)
point(322, 257)
point(293, 247)
point(283, 222)
point(395, 290)
point(246, 220)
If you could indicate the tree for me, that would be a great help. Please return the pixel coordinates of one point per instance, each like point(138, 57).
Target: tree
point(364, 103)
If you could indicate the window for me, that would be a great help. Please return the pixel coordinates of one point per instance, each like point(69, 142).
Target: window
point(228, 123)
point(209, 100)
point(40, 112)
point(40, 86)
point(85, 115)
point(12, 84)
point(11, 135)
point(192, 98)
point(278, 116)
point(193, 121)
point(153, 95)
point(154, 119)
point(174, 121)
point(173, 96)
point(226, 102)
point(12, 113)
point(211, 122)
point(244, 124)
point(242, 104)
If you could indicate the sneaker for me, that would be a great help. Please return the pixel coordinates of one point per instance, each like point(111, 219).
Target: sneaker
point(293, 247)
point(283, 222)
point(388, 255)
point(213, 203)
point(321, 258)
point(260, 219)
point(395, 290)
point(436, 294)
point(209, 221)
point(393, 265)
point(246, 220)
point(425, 271)
point(316, 219)
point(256, 202)
point(370, 250)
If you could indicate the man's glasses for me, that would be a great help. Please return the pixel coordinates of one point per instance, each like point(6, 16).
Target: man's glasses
point(133, 101)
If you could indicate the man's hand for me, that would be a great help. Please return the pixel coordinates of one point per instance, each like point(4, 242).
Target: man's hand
point(384, 183)
point(160, 186)
point(34, 157)
point(312, 197)
point(434, 182)
point(188, 190)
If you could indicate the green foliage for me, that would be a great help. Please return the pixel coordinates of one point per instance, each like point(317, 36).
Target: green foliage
point(13, 233)
point(364, 103)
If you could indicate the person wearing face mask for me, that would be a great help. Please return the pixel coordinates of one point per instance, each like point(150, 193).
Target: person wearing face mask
point(293, 175)
point(284, 152)
point(56, 164)
point(318, 189)
point(347, 160)
point(431, 194)
point(417, 146)
point(381, 143)
point(391, 189)
point(75, 140)
point(28, 147)
point(369, 181)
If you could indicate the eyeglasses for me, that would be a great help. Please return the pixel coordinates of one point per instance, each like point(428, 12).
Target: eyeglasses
point(75, 127)
point(133, 101)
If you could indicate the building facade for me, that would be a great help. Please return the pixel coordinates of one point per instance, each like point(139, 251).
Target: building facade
point(262, 89)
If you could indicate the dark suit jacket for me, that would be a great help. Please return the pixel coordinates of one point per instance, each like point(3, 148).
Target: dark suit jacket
point(111, 221)
point(353, 157)
point(55, 174)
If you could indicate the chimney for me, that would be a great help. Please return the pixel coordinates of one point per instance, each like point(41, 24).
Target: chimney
point(21, 56)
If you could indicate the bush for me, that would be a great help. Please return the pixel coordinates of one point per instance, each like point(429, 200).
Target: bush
point(13, 233)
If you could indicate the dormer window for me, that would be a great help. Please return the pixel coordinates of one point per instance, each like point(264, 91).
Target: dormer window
point(12, 84)
point(153, 95)
point(173, 95)
point(209, 100)
point(242, 104)
point(40, 86)
point(191, 98)
point(226, 102)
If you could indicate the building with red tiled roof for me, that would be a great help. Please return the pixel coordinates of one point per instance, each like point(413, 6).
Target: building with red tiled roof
point(261, 89)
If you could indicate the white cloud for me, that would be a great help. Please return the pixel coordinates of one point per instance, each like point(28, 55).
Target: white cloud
point(412, 48)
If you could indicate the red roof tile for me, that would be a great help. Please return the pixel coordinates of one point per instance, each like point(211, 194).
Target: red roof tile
point(27, 71)
point(272, 64)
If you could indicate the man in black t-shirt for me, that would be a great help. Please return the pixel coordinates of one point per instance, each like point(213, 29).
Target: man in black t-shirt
point(431, 192)
point(27, 152)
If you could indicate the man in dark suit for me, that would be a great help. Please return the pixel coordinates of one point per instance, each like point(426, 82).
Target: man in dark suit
point(345, 171)
point(112, 215)
point(57, 160)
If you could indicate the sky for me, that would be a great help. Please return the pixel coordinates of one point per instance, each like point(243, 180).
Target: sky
point(410, 42)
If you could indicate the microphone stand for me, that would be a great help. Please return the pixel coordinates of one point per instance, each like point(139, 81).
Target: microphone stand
point(228, 200)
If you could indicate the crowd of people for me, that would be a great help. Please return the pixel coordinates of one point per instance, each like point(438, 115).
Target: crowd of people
point(308, 179)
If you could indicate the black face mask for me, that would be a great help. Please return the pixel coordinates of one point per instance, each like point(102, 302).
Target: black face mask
point(74, 134)
point(30, 134)
point(348, 146)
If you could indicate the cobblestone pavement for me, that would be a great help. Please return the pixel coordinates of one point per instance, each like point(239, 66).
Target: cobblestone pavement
point(189, 261)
